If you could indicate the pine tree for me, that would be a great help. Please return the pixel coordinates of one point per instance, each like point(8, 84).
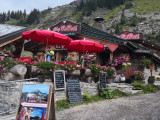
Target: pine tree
point(123, 18)
point(134, 20)
point(117, 29)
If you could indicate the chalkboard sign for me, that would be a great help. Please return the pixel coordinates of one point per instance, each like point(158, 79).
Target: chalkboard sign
point(59, 79)
point(74, 91)
point(102, 79)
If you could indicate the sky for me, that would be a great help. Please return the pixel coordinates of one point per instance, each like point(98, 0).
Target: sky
point(31, 88)
point(29, 5)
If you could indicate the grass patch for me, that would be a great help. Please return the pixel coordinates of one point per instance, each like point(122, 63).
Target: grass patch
point(107, 94)
point(117, 93)
point(150, 88)
point(62, 104)
point(114, 12)
point(146, 6)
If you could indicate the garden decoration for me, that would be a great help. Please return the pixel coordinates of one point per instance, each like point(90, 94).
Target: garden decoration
point(47, 37)
point(112, 48)
point(85, 46)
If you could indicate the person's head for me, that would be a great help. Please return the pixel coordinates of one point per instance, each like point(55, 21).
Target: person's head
point(31, 109)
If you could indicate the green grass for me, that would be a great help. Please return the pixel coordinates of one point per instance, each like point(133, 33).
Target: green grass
point(141, 7)
point(146, 6)
point(114, 12)
point(64, 103)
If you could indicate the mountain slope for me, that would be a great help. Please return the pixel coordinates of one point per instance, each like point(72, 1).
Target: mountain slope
point(131, 15)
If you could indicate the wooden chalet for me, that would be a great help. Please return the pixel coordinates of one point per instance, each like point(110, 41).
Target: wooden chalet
point(10, 40)
point(134, 47)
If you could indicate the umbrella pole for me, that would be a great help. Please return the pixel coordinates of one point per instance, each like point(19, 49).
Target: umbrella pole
point(83, 57)
point(46, 50)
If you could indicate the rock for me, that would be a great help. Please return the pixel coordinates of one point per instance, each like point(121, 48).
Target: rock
point(88, 72)
point(10, 76)
point(76, 73)
point(88, 79)
point(19, 70)
point(118, 78)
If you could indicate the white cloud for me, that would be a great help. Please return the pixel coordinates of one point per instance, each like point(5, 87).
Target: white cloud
point(29, 5)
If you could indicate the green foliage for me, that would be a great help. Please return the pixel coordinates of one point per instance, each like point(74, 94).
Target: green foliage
point(49, 67)
point(145, 61)
point(12, 22)
point(128, 5)
point(8, 63)
point(45, 12)
point(123, 18)
point(150, 88)
point(62, 104)
point(137, 85)
point(33, 17)
point(86, 98)
point(106, 93)
point(117, 93)
point(146, 6)
point(134, 20)
point(97, 69)
point(110, 71)
point(45, 66)
point(117, 29)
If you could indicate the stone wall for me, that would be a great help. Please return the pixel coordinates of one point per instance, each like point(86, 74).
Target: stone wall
point(89, 88)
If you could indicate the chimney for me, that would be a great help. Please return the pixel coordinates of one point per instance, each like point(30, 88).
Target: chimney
point(98, 24)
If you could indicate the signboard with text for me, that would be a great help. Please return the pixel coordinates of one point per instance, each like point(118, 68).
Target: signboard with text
point(102, 79)
point(24, 59)
point(74, 91)
point(66, 27)
point(59, 80)
point(130, 36)
point(35, 102)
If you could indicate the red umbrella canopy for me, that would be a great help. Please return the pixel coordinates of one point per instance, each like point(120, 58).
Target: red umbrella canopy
point(84, 46)
point(46, 36)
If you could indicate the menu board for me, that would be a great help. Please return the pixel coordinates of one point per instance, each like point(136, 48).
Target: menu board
point(74, 91)
point(59, 79)
point(102, 79)
point(34, 103)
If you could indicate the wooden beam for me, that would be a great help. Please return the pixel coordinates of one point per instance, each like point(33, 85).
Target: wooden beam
point(7, 42)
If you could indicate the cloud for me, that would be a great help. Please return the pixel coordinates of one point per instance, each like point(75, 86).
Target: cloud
point(29, 5)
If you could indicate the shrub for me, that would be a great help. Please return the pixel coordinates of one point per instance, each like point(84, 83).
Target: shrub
point(150, 88)
point(117, 93)
point(86, 98)
point(8, 63)
point(62, 104)
point(129, 71)
point(128, 5)
point(137, 85)
point(106, 93)
point(96, 69)
point(145, 61)
point(49, 67)
point(137, 75)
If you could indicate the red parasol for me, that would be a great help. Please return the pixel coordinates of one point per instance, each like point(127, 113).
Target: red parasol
point(46, 36)
point(84, 46)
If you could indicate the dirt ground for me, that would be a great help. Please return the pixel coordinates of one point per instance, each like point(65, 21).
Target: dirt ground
point(143, 107)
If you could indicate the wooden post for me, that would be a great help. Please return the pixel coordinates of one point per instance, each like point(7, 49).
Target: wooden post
point(111, 56)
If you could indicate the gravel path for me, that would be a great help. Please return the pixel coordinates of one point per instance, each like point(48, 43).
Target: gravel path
point(143, 107)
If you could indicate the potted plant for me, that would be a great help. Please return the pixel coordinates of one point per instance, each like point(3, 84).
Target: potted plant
point(145, 61)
